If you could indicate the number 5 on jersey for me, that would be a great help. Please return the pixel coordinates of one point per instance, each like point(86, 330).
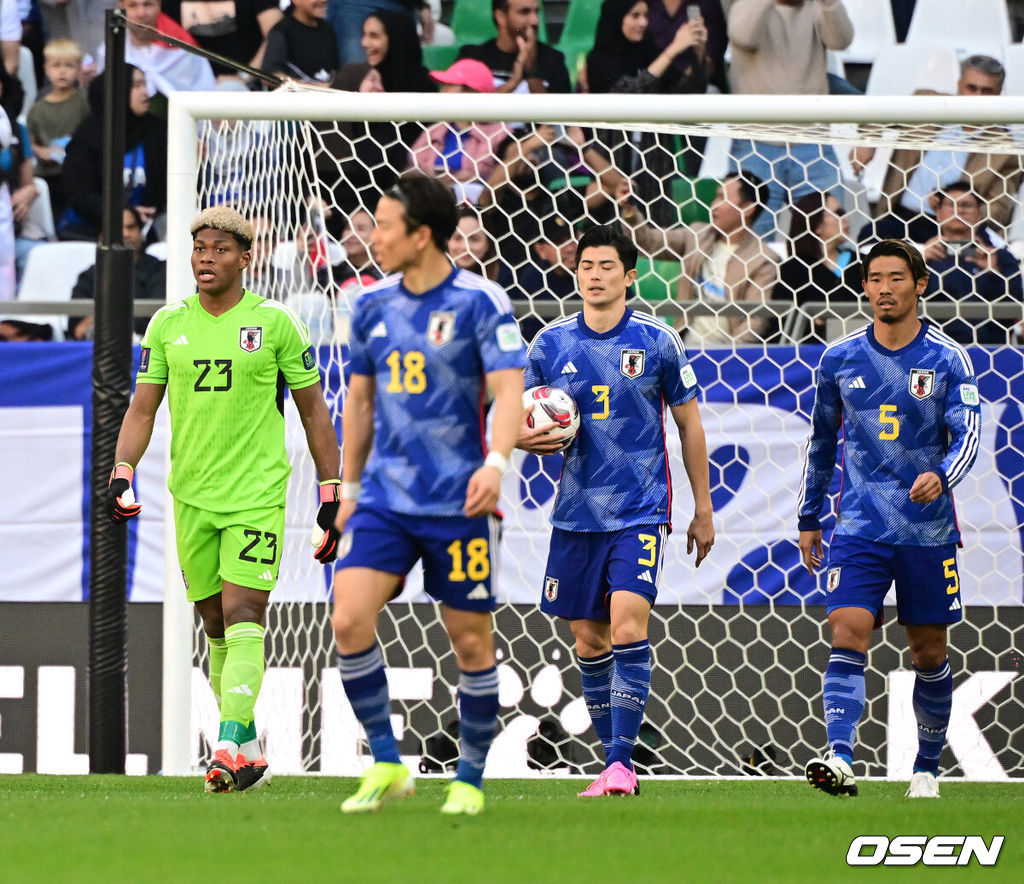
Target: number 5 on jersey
point(887, 418)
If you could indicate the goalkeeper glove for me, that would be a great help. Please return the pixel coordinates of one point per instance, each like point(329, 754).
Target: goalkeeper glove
point(325, 535)
point(121, 505)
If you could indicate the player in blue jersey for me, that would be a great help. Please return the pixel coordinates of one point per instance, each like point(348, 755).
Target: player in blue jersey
point(614, 504)
point(426, 344)
point(905, 398)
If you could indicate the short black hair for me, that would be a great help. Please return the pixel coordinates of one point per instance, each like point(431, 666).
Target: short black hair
point(427, 202)
point(609, 235)
point(752, 190)
point(128, 207)
point(958, 187)
point(896, 248)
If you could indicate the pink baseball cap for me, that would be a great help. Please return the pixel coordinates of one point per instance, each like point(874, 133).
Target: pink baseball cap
point(467, 72)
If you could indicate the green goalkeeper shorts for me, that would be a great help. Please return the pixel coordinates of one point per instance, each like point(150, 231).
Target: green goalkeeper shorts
point(242, 548)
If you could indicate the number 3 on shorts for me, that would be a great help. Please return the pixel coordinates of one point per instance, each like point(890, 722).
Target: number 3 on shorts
point(650, 544)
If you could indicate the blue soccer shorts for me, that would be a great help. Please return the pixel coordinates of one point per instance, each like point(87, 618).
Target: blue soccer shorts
point(860, 573)
point(584, 568)
point(460, 555)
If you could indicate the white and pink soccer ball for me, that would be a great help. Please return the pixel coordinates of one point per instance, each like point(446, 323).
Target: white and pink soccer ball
point(551, 405)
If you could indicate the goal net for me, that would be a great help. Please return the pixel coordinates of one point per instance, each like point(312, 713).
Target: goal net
point(741, 644)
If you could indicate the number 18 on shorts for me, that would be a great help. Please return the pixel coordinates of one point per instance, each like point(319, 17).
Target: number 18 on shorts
point(459, 555)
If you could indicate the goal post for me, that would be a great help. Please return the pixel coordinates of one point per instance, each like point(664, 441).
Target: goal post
point(740, 646)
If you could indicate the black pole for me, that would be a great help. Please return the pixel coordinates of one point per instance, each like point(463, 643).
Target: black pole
point(111, 381)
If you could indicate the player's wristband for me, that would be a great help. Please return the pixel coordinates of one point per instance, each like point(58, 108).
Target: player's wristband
point(330, 491)
point(351, 490)
point(122, 470)
point(497, 460)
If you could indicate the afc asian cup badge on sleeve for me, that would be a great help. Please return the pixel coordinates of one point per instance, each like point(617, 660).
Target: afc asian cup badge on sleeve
point(250, 338)
point(833, 579)
point(551, 588)
point(922, 382)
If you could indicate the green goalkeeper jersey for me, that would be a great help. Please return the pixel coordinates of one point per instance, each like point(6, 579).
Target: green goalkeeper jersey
point(225, 379)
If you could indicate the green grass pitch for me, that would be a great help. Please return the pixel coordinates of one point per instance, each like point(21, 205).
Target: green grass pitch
point(113, 829)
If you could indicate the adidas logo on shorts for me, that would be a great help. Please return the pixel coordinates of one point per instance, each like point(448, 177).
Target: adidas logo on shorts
point(267, 575)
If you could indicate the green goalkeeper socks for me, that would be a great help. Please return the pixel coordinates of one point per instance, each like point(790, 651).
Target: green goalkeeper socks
point(218, 653)
point(240, 680)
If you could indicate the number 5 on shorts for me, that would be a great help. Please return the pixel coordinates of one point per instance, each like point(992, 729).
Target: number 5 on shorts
point(949, 565)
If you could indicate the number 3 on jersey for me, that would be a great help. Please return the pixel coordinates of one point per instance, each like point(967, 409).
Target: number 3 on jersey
point(407, 375)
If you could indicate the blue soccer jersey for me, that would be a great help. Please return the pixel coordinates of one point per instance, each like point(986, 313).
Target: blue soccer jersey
point(428, 354)
point(902, 413)
point(616, 473)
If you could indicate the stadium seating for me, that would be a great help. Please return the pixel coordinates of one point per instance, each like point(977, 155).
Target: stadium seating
point(873, 30)
point(694, 198)
point(158, 250)
point(317, 312)
point(965, 25)
point(51, 272)
point(285, 254)
point(1013, 61)
point(439, 58)
point(902, 69)
point(656, 280)
point(578, 34)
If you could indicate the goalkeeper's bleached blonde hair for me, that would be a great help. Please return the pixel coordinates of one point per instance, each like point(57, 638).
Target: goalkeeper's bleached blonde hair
point(227, 219)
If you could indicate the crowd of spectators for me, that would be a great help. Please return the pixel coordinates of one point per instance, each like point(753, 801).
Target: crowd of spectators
point(776, 231)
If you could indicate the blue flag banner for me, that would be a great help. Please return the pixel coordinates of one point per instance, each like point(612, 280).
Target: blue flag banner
point(756, 405)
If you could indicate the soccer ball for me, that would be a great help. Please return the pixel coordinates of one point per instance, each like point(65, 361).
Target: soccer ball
point(551, 405)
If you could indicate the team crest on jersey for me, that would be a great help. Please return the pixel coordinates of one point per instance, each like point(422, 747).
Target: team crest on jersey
point(551, 588)
point(250, 338)
point(631, 363)
point(922, 382)
point(441, 327)
point(833, 579)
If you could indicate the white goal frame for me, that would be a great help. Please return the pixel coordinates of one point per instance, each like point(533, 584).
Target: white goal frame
point(187, 109)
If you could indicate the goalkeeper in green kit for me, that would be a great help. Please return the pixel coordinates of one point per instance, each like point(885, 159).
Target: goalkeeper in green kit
point(223, 355)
